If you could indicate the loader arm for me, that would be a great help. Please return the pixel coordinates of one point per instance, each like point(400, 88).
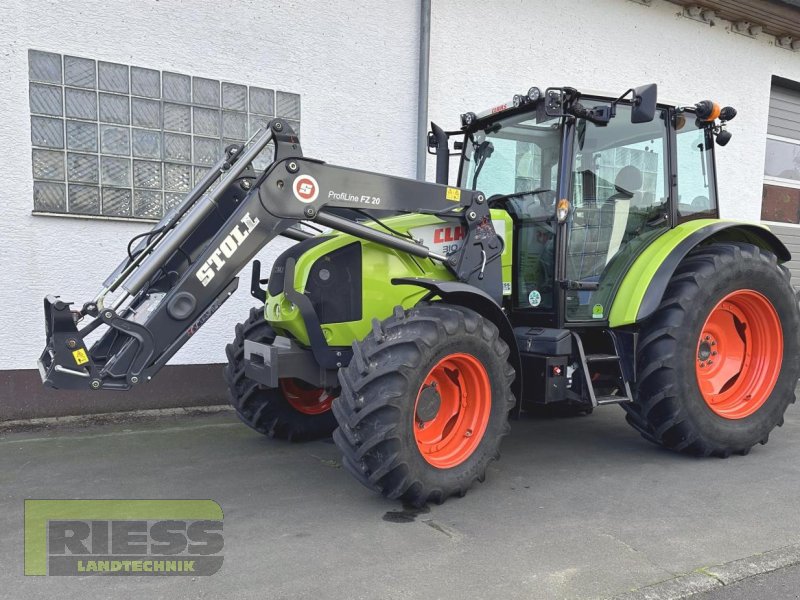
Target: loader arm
point(182, 271)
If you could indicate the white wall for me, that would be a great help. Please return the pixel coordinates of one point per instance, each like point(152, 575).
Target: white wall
point(483, 53)
point(354, 63)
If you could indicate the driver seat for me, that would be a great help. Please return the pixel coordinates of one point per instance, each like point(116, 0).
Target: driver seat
point(628, 185)
point(596, 241)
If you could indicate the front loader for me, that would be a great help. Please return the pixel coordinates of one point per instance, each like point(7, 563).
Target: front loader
point(579, 261)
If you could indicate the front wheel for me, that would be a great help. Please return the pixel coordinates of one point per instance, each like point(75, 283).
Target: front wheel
point(424, 403)
point(294, 411)
point(718, 359)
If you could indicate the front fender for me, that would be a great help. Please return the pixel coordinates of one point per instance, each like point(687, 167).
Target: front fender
point(468, 296)
point(644, 285)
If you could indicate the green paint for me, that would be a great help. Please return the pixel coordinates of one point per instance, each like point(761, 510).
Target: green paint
point(634, 286)
point(379, 265)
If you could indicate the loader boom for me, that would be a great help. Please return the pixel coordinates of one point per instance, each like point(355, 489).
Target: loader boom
point(186, 267)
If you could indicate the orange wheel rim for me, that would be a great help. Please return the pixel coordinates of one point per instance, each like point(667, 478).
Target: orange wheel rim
point(305, 398)
point(739, 354)
point(452, 410)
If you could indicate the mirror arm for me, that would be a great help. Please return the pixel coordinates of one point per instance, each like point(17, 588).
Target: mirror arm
point(622, 97)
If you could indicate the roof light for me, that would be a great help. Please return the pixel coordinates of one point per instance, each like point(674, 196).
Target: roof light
point(706, 110)
point(518, 100)
point(534, 94)
point(467, 119)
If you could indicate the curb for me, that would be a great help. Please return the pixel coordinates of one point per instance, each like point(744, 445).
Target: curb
point(705, 579)
point(133, 416)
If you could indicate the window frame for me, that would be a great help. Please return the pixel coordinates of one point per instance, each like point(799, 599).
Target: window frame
point(780, 181)
point(677, 218)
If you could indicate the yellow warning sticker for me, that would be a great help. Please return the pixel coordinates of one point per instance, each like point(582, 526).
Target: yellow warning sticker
point(80, 356)
point(453, 194)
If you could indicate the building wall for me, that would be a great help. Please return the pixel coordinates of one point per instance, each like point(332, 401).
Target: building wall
point(355, 67)
point(354, 64)
point(479, 60)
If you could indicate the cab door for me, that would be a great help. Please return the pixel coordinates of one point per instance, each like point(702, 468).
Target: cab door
point(619, 203)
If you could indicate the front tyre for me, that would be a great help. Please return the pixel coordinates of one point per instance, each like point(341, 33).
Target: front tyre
point(424, 403)
point(718, 361)
point(295, 411)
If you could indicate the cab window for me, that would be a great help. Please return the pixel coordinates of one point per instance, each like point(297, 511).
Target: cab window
point(696, 193)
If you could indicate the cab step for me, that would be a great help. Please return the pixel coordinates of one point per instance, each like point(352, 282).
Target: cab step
point(587, 359)
point(590, 358)
point(601, 400)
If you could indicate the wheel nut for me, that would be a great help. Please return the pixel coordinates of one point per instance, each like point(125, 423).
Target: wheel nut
point(468, 433)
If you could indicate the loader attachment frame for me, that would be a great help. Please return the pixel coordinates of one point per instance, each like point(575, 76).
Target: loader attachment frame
point(186, 267)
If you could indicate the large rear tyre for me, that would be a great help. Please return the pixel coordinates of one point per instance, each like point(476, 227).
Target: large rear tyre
point(717, 361)
point(295, 411)
point(424, 403)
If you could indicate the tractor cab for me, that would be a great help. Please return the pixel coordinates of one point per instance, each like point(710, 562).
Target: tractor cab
point(589, 181)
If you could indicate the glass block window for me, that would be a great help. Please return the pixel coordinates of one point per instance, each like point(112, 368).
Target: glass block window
point(126, 141)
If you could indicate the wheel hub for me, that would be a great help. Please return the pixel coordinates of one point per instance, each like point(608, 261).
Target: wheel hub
point(428, 404)
point(704, 351)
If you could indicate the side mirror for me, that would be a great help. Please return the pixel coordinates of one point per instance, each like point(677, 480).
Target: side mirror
point(644, 103)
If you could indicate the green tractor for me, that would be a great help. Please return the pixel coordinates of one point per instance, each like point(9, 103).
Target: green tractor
point(578, 261)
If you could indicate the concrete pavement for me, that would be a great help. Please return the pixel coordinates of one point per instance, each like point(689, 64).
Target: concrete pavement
point(783, 584)
point(576, 508)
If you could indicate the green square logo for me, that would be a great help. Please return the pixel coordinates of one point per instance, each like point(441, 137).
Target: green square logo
point(123, 537)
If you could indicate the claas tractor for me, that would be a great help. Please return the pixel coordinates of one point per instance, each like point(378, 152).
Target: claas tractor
point(579, 260)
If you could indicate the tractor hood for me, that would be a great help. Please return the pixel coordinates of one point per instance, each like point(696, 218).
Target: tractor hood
point(342, 275)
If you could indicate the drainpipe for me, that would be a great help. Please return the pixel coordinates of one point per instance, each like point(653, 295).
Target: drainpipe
point(424, 75)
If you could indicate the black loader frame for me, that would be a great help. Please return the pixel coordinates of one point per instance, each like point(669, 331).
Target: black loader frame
point(184, 269)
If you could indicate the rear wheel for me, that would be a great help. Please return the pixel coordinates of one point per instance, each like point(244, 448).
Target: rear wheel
point(424, 403)
point(718, 359)
point(295, 411)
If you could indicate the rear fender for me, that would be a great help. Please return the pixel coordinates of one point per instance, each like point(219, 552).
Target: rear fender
point(643, 287)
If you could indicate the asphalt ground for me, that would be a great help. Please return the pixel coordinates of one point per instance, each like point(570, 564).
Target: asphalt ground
point(576, 508)
point(783, 584)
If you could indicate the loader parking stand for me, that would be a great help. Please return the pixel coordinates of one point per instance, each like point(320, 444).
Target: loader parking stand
point(567, 289)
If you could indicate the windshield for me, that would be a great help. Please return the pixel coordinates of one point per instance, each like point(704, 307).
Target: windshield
point(513, 155)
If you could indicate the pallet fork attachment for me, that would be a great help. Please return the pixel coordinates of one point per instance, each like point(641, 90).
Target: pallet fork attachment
point(186, 267)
